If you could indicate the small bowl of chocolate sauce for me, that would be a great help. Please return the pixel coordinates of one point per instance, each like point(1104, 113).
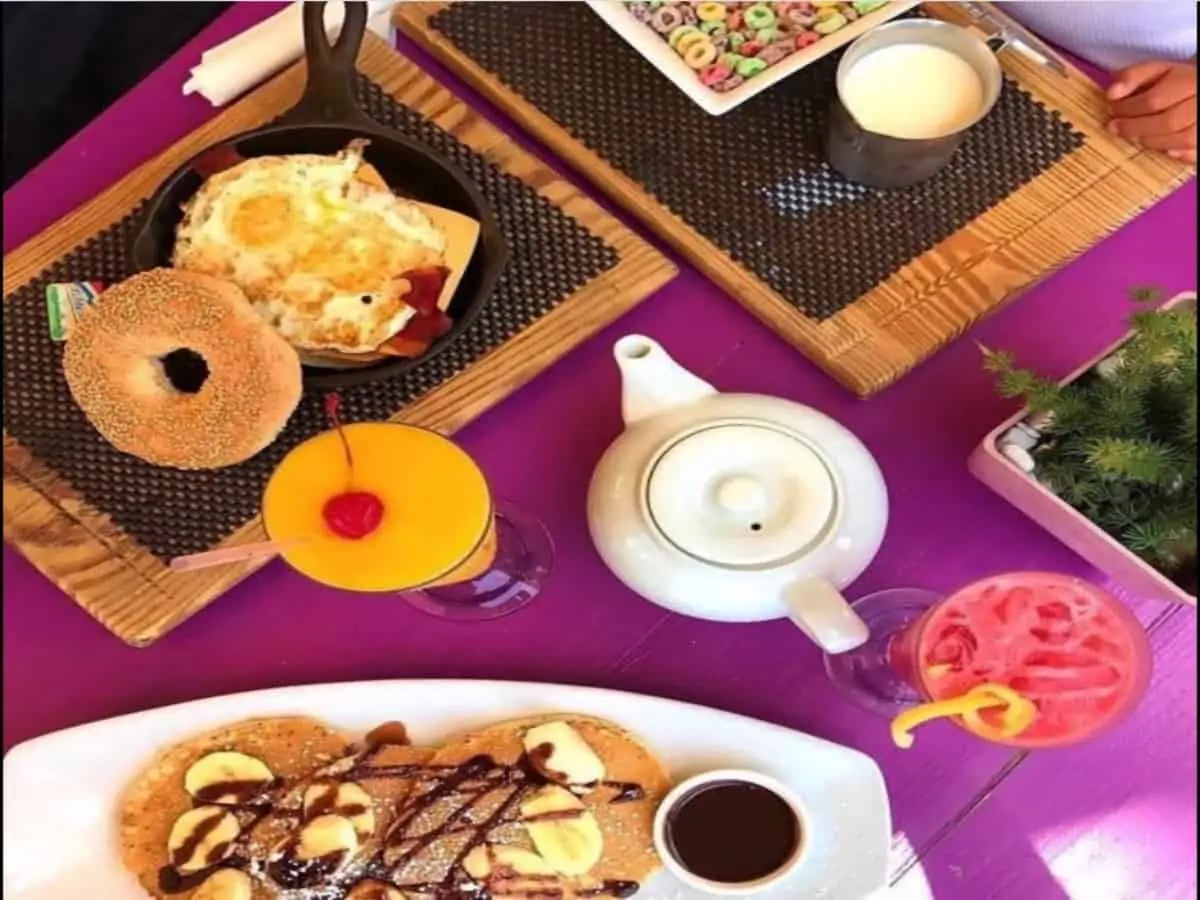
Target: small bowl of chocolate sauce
point(731, 832)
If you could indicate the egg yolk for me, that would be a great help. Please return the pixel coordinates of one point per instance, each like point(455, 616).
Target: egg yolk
point(262, 220)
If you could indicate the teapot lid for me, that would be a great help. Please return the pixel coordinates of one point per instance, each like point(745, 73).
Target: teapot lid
point(742, 494)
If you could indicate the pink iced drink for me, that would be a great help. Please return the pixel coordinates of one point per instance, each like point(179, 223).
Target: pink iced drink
point(1072, 649)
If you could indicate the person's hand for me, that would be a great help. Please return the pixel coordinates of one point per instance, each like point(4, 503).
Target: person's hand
point(1154, 104)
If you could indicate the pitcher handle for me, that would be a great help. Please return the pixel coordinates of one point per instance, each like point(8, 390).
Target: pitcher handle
point(1001, 33)
point(818, 609)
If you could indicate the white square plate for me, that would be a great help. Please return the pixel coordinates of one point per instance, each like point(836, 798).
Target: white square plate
point(61, 791)
point(650, 44)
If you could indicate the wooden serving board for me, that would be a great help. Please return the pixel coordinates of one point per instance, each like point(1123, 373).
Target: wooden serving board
point(130, 591)
point(935, 297)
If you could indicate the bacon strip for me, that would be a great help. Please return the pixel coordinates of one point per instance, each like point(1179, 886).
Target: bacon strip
point(416, 337)
point(430, 321)
point(216, 159)
point(426, 288)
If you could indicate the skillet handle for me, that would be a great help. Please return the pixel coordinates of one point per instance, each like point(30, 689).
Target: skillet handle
point(329, 92)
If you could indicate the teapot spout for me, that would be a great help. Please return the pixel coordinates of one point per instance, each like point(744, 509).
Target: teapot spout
point(651, 381)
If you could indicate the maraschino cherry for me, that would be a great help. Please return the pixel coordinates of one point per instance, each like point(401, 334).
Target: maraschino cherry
point(351, 514)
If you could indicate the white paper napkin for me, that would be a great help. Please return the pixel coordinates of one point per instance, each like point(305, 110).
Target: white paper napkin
point(230, 69)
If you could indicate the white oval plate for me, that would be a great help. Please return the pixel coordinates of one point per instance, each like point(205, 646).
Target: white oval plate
point(647, 42)
point(61, 791)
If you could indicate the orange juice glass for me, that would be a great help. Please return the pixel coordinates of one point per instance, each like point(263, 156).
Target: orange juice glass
point(388, 507)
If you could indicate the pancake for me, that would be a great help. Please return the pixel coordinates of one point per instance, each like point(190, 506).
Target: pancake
point(390, 791)
point(375, 890)
point(550, 806)
point(290, 747)
point(628, 854)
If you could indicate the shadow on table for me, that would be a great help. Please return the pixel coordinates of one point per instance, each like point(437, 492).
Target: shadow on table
point(960, 878)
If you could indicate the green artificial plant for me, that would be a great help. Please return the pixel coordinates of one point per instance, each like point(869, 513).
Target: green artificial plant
point(1119, 443)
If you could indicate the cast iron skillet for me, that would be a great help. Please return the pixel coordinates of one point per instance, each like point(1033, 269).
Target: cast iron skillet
point(324, 121)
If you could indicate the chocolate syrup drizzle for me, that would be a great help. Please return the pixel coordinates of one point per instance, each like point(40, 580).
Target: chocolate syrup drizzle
point(470, 784)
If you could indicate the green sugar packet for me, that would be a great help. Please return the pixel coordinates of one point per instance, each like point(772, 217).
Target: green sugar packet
point(65, 303)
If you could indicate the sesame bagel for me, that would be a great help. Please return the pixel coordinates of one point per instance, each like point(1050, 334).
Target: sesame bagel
point(177, 369)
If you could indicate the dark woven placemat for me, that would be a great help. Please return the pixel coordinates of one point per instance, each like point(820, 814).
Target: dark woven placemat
point(171, 512)
point(752, 181)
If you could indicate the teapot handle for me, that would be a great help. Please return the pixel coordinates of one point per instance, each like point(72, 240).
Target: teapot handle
point(818, 609)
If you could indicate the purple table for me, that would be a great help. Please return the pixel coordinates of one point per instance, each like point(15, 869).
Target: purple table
point(1112, 820)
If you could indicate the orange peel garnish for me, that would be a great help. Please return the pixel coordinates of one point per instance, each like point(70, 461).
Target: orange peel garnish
point(1018, 713)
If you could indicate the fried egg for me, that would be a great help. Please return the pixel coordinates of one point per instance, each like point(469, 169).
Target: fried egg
point(320, 248)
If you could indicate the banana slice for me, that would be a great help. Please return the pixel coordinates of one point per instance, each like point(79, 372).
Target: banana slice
point(563, 830)
point(510, 873)
point(317, 854)
point(225, 884)
point(325, 836)
point(376, 890)
point(347, 800)
point(561, 754)
point(501, 863)
point(202, 837)
point(227, 778)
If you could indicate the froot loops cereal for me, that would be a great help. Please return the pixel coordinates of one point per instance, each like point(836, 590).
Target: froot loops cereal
point(728, 43)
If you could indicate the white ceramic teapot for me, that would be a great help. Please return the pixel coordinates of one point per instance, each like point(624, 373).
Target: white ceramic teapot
point(734, 507)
